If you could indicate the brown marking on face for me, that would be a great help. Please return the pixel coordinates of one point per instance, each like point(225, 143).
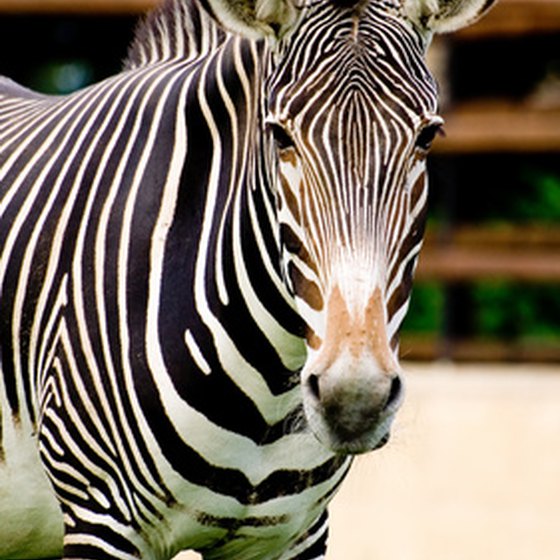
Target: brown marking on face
point(288, 156)
point(357, 334)
point(289, 197)
point(313, 339)
point(376, 331)
point(305, 288)
point(339, 330)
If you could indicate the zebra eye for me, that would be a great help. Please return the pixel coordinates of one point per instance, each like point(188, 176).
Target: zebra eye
point(427, 135)
point(283, 140)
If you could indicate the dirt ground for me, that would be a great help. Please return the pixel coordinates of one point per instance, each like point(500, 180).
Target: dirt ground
point(472, 471)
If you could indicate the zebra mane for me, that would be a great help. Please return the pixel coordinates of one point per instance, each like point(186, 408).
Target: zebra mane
point(176, 29)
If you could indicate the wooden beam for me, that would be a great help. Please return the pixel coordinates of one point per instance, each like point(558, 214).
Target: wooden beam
point(516, 17)
point(433, 347)
point(500, 127)
point(509, 17)
point(455, 264)
point(527, 254)
point(76, 6)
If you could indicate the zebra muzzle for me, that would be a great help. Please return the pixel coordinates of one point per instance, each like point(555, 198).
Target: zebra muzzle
point(352, 383)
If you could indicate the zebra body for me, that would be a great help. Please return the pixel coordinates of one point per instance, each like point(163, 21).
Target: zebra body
point(191, 253)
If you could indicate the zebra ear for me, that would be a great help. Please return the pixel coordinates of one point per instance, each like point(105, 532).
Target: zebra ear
point(443, 16)
point(255, 19)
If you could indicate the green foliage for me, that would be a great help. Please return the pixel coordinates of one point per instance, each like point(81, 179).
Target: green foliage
point(62, 77)
point(508, 310)
point(425, 314)
point(540, 201)
point(494, 190)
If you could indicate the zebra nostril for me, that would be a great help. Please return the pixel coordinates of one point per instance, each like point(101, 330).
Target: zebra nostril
point(313, 382)
point(395, 391)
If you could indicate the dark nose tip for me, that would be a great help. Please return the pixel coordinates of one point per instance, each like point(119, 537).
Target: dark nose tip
point(313, 382)
point(395, 391)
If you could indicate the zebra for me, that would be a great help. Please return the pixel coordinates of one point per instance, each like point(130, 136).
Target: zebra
point(204, 264)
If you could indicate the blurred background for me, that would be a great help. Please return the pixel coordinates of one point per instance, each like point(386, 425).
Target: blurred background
point(473, 471)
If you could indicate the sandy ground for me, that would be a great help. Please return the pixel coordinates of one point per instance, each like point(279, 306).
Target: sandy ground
point(472, 471)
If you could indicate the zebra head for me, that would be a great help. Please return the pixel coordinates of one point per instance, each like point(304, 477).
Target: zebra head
point(352, 110)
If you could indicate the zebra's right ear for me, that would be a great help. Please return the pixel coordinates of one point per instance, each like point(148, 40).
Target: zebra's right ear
point(443, 16)
point(255, 19)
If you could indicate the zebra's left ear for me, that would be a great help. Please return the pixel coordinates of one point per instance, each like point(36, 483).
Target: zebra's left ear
point(255, 19)
point(443, 16)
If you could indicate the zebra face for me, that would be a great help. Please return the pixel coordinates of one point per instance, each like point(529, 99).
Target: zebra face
point(352, 113)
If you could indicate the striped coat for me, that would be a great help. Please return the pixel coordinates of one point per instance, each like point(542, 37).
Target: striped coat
point(204, 262)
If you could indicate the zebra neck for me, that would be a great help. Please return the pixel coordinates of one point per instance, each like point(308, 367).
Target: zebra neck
point(177, 29)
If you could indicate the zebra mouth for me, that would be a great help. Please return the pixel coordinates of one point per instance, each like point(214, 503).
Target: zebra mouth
point(355, 447)
point(383, 441)
point(349, 434)
point(359, 444)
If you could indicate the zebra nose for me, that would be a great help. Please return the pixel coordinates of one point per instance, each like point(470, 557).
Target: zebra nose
point(395, 394)
point(357, 408)
point(388, 402)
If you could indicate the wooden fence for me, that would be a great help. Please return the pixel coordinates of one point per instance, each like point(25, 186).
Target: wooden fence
point(462, 254)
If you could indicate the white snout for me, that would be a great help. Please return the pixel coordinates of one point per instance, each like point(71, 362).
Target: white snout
point(350, 405)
